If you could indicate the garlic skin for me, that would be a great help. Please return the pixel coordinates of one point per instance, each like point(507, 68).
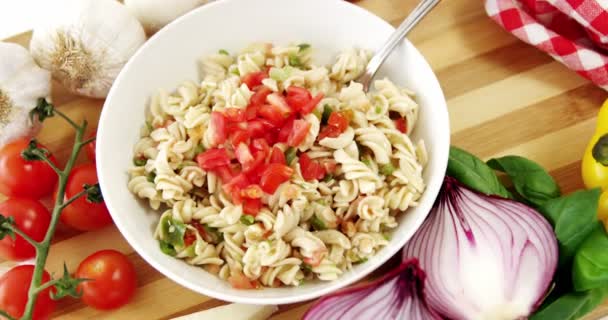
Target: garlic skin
point(155, 14)
point(22, 83)
point(86, 43)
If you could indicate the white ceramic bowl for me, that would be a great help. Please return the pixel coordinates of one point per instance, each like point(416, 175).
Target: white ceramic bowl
point(171, 57)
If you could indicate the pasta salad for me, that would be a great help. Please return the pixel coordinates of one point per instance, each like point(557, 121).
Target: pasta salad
point(273, 171)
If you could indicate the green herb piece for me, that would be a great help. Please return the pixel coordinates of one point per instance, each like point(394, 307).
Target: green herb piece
point(139, 161)
point(149, 126)
point(235, 71)
point(167, 248)
point(199, 149)
point(590, 268)
point(321, 202)
point(173, 230)
point(215, 235)
point(378, 109)
point(328, 177)
point(474, 173)
point(224, 52)
point(327, 110)
point(387, 169)
point(303, 46)
point(530, 180)
point(290, 155)
point(386, 237)
point(295, 61)
point(306, 267)
point(247, 219)
point(151, 176)
point(572, 305)
point(367, 162)
point(573, 218)
point(360, 261)
point(317, 223)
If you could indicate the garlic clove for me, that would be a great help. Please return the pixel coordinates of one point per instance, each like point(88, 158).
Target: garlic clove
point(155, 14)
point(86, 44)
point(22, 83)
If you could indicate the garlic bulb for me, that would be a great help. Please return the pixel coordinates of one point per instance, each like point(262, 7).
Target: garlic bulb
point(86, 43)
point(155, 14)
point(22, 83)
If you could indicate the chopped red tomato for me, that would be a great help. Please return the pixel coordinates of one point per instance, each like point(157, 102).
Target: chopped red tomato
point(239, 136)
point(329, 165)
point(189, 237)
point(259, 158)
point(254, 79)
point(252, 192)
point(272, 114)
point(338, 120)
point(243, 155)
point(255, 174)
point(261, 145)
point(328, 132)
point(252, 206)
point(285, 130)
point(234, 187)
point(277, 156)
point(259, 97)
point(274, 175)
point(213, 158)
point(316, 258)
point(297, 97)
point(239, 281)
point(225, 173)
point(310, 106)
point(311, 169)
point(256, 128)
point(278, 101)
point(234, 115)
point(218, 128)
point(251, 112)
point(401, 125)
point(298, 132)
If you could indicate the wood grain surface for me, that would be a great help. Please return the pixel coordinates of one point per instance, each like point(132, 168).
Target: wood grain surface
point(504, 97)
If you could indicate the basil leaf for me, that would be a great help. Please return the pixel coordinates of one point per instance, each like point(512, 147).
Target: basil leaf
point(573, 218)
point(572, 305)
point(173, 231)
point(590, 268)
point(474, 173)
point(531, 181)
point(167, 248)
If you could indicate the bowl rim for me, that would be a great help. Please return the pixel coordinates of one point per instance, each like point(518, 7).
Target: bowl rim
point(338, 284)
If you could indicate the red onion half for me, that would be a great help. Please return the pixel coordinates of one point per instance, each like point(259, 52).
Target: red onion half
point(485, 257)
point(398, 295)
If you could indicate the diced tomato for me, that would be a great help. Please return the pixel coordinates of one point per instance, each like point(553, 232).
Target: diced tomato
point(270, 136)
point(277, 156)
point(252, 206)
point(213, 158)
point(401, 125)
point(286, 130)
point(252, 192)
point(311, 169)
point(239, 281)
point(259, 158)
point(256, 128)
point(254, 175)
point(338, 120)
point(310, 106)
point(254, 79)
point(298, 132)
point(236, 184)
point(261, 145)
point(297, 97)
point(274, 175)
point(251, 112)
point(259, 96)
point(243, 154)
point(329, 165)
point(234, 115)
point(218, 127)
point(316, 258)
point(225, 173)
point(278, 101)
point(328, 132)
point(239, 136)
point(189, 237)
point(272, 114)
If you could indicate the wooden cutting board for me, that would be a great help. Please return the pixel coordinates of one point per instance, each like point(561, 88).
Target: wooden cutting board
point(504, 97)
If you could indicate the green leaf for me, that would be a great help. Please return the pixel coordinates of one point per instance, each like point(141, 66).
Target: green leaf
point(387, 169)
point(531, 181)
point(247, 219)
point(173, 230)
point(290, 155)
point(573, 218)
point(43, 110)
point(474, 173)
point(590, 268)
point(572, 305)
point(317, 223)
point(224, 52)
point(167, 248)
point(303, 46)
point(67, 286)
point(327, 110)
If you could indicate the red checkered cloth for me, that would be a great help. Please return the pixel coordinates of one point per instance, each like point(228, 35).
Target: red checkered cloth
point(574, 32)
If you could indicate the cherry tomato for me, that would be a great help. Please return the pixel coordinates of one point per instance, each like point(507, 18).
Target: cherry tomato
point(90, 148)
point(13, 293)
point(113, 279)
point(23, 178)
point(312, 104)
point(84, 214)
point(277, 156)
point(274, 175)
point(298, 132)
point(213, 158)
point(311, 169)
point(297, 97)
point(254, 79)
point(30, 217)
point(401, 125)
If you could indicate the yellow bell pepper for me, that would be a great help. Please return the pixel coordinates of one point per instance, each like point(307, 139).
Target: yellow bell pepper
point(594, 165)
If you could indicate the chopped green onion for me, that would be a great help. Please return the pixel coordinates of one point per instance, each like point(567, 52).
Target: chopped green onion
point(167, 248)
point(327, 110)
point(247, 219)
point(387, 169)
point(317, 223)
point(199, 149)
point(303, 46)
point(360, 261)
point(224, 52)
point(235, 71)
point(149, 126)
point(378, 109)
point(367, 162)
point(290, 155)
point(140, 162)
point(328, 177)
point(386, 237)
point(321, 202)
point(294, 60)
point(306, 267)
point(151, 176)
